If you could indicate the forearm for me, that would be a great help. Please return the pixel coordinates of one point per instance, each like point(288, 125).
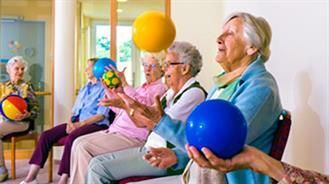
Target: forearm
point(172, 130)
point(274, 169)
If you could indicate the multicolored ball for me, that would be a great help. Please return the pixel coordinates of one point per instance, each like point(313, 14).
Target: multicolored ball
point(13, 106)
point(111, 79)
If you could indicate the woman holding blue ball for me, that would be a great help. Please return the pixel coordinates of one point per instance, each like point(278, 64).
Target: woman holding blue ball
point(243, 48)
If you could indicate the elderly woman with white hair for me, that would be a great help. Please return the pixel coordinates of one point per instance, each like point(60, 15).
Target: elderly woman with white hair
point(243, 48)
point(182, 64)
point(16, 85)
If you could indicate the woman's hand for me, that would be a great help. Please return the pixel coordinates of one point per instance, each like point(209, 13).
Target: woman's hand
point(143, 115)
point(120, 74)
point(160, 157)
point(249, 157)
point(25, 115)
point(70, 127)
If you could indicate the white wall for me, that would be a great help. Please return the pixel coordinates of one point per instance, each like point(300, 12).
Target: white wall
point(299, 62)
point(198, 21)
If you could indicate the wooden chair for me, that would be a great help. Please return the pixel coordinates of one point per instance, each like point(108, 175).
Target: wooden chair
point(13, 138)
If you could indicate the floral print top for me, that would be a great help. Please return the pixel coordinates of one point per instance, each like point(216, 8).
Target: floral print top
point(296, 175)
point(25, 90)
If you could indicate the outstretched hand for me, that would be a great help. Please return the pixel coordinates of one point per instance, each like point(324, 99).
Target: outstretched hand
point(249, 157)
point(161, 157)
point(120, 74)
point(143, 115)
point(111, 97)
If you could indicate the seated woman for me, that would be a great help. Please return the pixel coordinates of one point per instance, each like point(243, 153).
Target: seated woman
point(87, 117)
point(183, 62)
point(16, 67)
point(122, 133)
point(243, 49)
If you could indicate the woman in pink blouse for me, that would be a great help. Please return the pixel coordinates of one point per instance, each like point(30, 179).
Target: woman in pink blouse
point(122, 133)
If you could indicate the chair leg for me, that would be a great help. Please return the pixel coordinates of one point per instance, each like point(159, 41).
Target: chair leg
point(13, 155)
point(50, 169)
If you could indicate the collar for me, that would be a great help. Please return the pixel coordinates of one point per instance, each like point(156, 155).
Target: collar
point(9, 83)
point(170, 92)
point(225, 78)
point(152, 83)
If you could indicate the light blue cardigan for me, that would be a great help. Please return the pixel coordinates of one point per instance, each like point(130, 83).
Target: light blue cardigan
point(257, 97)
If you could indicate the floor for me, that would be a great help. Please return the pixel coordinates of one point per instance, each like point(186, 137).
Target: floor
point(22, 168)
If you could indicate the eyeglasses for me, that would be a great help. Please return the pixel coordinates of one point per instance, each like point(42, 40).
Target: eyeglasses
point(146, 65)
point(167, 64)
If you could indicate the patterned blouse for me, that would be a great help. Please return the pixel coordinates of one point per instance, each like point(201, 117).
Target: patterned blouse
point(25, 90)
point(294, 175)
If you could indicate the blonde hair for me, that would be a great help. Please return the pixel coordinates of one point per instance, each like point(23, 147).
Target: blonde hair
point(257, 32)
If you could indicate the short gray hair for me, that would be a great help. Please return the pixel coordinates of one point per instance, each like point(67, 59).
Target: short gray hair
point(188, 54)
point(257, 32)
point(16, 59)
point(158, 56)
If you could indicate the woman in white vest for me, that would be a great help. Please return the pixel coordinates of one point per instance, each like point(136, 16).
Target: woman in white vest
point(183, 62)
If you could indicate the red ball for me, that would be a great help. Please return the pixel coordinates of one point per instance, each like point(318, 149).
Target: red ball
point(13, 106)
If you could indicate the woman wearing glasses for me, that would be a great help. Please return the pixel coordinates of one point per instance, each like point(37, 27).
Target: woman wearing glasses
point(122, 133)
point(183, 62)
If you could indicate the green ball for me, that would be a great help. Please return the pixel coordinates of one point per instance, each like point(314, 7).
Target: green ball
point(111, 79)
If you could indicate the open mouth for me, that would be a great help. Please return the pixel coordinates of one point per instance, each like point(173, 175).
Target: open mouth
point(167, 76)
point(221, 49)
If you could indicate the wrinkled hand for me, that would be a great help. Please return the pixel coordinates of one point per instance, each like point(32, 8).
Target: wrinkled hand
point(115, 101)
point(20, 117)
point(112, 98)
point(143, 115)
point(249, 157)
point(69, 127)
point(111, 92)
point(160, 157)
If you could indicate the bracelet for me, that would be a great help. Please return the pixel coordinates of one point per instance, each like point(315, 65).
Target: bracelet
point(131, 112)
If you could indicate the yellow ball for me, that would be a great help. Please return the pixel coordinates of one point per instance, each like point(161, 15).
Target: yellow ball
point(111, 79)
point(153, 31)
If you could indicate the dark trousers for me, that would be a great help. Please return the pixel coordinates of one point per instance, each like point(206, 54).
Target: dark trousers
point(49, 137)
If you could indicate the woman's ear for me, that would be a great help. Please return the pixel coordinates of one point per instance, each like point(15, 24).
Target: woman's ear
point(186, 69)
point(251, 50)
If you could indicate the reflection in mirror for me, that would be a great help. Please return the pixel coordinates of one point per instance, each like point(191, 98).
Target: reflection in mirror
point(26, 30)
point(93, 37)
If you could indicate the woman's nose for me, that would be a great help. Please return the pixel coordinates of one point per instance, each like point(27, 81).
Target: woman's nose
point(219, 39)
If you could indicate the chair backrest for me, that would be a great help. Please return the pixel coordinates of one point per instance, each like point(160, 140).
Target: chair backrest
point(281, 135)
point(111, 116)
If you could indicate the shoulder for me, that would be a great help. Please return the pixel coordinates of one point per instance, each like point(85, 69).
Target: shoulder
point(194, 93)
point(260, 79)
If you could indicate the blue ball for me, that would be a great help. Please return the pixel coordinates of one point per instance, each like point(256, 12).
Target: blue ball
point(219, 126)
point(99, 66)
